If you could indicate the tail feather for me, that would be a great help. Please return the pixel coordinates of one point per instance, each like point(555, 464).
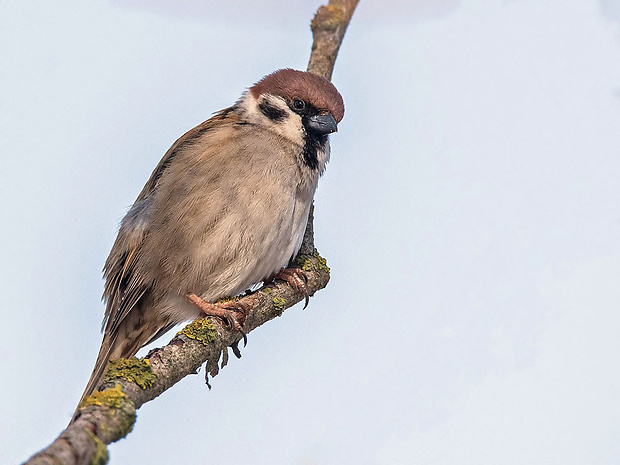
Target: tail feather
point(99, 370)
point(131, 336)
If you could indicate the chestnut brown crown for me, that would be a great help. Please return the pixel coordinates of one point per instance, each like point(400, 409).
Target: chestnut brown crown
point(292, 84)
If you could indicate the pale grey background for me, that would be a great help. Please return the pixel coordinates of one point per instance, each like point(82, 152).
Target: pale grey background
point(470, 214)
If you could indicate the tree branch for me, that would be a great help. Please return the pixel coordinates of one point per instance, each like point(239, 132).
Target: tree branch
point(109, 414)
point(328, 28)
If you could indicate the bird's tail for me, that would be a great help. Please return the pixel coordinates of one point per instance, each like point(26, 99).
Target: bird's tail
point(123, 342)
point(103, 359)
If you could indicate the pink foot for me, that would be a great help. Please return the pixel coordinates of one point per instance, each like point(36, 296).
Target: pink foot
point(297, 279)
point(233, 313)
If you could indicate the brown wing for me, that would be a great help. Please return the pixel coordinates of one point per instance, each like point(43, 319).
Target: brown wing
point(125, 286)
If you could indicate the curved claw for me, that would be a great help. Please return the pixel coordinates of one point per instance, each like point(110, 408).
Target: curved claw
point(304, 276)
point(235, 348)
point(237, 306)
point(230, 321)
point(297, 279)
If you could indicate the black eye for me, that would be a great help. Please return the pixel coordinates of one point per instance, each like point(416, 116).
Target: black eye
point(299, 104)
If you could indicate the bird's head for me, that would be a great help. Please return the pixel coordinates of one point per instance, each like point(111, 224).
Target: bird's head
point(299, 106)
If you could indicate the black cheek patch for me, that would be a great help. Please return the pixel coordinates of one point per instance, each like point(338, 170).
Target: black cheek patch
point(271, 112)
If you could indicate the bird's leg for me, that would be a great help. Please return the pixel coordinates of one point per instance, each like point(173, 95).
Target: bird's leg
point(232, 312)
point(297, 279)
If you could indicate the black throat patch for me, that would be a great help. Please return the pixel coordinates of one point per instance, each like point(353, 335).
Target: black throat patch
point(312, 144)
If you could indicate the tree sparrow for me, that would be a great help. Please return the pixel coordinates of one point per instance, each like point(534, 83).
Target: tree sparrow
point(226, 208)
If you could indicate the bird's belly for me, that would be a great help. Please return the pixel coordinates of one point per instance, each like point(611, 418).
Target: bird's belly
point(243, 250)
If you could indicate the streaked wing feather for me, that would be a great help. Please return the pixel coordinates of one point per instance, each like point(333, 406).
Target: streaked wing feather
point(125, 286)
point(160, 332)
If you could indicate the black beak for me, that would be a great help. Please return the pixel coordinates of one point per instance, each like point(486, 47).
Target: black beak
point(322, 124)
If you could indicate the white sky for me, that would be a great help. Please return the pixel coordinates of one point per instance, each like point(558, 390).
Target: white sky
point(470, 214)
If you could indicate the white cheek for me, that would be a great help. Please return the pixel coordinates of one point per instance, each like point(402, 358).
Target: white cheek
point(290, 127)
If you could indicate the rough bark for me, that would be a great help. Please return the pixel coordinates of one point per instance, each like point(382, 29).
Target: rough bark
point(109, 414)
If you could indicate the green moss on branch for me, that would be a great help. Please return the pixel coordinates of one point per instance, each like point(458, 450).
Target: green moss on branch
point(135, 370)
point(201, 330)
point(312, 262)
point(101, 454)
point(111, 397)
point(279, 304)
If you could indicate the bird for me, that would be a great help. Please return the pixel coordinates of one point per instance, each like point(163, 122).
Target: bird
point(224, 210)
